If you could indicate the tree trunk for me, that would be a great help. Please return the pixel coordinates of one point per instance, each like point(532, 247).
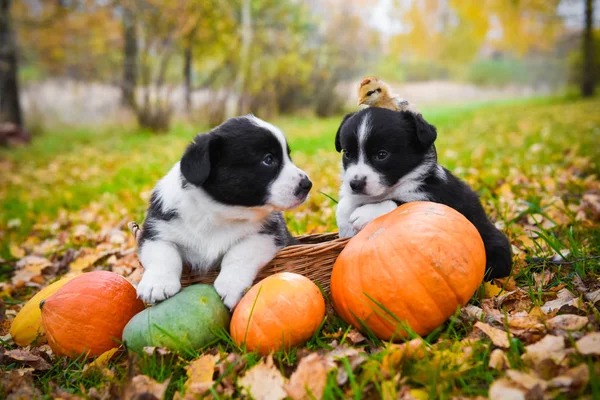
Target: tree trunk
point(235, 104)
point(588, 81)
point(11, 118)
point(187, 74)
point(130, 57)
point(10, 109)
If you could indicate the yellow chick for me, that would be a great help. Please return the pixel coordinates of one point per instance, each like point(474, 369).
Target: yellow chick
point(374, 92)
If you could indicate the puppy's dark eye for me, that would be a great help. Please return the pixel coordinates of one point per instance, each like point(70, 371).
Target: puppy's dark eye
point(268, 160)
point(381, 155)
point(346, 154)
point(378, 90)
point(370, 92)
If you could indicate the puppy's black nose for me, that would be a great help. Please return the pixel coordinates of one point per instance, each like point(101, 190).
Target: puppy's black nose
point(305, 184)
point(358, 185)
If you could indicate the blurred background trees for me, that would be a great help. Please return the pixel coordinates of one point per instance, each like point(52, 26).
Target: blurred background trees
point(211, 59)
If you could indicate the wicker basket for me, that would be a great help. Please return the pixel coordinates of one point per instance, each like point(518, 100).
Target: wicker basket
point(313, 257)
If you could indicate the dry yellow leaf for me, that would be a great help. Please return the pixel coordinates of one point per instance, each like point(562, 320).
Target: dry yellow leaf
point(549, 347)
point(16, 251)
point(264, 381)
point(505, 389)
point(568, 322)
point(82, 263)
point(491, 290)
point(498, 360)
point(144, 387)
point(201, 370)
point(309, 379)
point(589, 344)
point(499, 337)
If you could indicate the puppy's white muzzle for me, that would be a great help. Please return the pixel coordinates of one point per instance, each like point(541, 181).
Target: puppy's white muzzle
point(290, 189)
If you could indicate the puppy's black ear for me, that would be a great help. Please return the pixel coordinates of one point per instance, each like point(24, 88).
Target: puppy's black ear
point(195, 163)
point(338, 144)
point(426, 133)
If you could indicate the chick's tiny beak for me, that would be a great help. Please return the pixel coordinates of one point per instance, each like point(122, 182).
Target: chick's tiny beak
point(361, 101)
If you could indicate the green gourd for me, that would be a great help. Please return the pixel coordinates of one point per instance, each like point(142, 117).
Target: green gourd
point(187, 321)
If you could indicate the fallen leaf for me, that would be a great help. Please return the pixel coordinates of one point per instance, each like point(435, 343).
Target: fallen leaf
point(335, 335)
point(567, 322)
point(16, 251)
point(522, 320)
point(491, 290)
point(26, 357)
point(593, 297)
point(309, 379)
point(355, 358)
point(542, 279)
point(498, 360)
point(564, 298)
point(161, 355)
point(388, 390)
point(101, 362)
point(574, 378)
point(509, 284)
point(507, 296)
point(29, 269)
point(505, 389)
point(264, 381)
point(396, 353)
point(18, 384)
point(81, 264)
point(499, 337)
point(589, 344)
point(142, 387)
point(200, 374)
point(355, 336)
point(550, 347)
point(526, 380)
point(419, 394)
point(491, 312)
point(472, 313)
point(537, 314)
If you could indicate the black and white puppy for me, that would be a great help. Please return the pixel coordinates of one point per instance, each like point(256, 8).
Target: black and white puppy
point(389, 159)
point(221, 206)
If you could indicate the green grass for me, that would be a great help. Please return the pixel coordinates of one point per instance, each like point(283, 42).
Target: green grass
point(532, 161)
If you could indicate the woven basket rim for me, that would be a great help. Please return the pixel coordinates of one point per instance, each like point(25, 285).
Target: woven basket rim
point(317, 241)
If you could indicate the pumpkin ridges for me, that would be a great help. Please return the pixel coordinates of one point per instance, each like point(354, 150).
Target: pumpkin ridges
point(446, 267)
point(78, 320)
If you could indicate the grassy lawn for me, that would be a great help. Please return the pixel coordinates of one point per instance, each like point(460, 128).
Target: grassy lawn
point(535, 164)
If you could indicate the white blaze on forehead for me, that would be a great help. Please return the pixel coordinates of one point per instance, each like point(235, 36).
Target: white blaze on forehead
point(273, 129)
point(362, 169)
point(363, 129)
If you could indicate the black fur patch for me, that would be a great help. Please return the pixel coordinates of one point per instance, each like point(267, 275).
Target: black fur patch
point(155, 212)
point(275, 226)
point(232, 170)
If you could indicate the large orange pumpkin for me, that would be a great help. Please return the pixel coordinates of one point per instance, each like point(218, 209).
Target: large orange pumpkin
point(279, 312)
point(415, 265)
point(88, 314)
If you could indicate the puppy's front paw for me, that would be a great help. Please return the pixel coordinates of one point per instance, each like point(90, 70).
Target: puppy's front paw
point(367, 213)
point(346, 231)
point(231, 289)
point(156, 287)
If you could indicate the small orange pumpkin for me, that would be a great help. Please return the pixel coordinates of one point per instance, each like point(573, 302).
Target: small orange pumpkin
point(279, 312)
point(417, 265)
point(88, 314)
